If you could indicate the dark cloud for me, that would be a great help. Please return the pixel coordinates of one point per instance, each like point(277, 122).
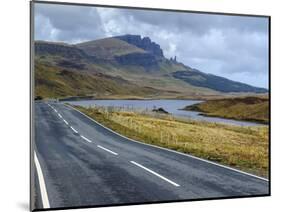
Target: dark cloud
point(197, 23)
point(230, 46)
point(67, 23)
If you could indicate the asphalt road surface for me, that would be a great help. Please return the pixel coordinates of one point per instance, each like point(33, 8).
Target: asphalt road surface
point(81, 163)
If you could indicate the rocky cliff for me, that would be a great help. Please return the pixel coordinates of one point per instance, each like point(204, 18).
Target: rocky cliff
point(143, 43)
point(139, 59)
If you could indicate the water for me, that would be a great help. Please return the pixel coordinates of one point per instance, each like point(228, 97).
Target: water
point(171, 106)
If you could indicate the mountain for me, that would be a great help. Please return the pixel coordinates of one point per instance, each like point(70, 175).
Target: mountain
point(125, 50)
point(108, 48)
point(143, 43)
point(211, 81)
point(127, 66)
point(53, 82)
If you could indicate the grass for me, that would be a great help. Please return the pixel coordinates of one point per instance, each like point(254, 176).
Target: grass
point(245, 148)
point(243, 108)
point(55, 82)
point(52, 81)
point(108, 48)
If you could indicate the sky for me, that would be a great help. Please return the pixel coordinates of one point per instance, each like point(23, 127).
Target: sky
point(235, 47)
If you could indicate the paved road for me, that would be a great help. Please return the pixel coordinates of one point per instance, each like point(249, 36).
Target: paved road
point(80, 163)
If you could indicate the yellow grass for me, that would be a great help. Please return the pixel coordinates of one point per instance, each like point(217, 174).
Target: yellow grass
point(245, 148)
point(251, 108)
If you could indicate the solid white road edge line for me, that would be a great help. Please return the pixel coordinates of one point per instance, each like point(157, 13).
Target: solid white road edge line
point(73, 129)
point(114, 153)
point(44, 195)
point(170, 150)
point(156, 174)
point(65, 122)
point(86, 139)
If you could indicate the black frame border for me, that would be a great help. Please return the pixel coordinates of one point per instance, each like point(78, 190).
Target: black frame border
point(31, 100)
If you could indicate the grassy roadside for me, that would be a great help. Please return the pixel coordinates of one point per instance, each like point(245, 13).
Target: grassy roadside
point(243, 108)
point(245, 148)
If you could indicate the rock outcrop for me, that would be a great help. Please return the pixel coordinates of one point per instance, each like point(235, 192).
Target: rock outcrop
point(143, 43)
point(139, 59)
point(160, 110)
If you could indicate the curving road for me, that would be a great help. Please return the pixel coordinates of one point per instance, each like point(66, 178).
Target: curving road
point(78, 162)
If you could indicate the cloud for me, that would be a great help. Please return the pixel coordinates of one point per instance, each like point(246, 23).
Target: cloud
point(219, 44)
point(67, 23)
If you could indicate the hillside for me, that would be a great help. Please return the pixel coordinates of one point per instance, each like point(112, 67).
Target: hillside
point(108, 48)
point(200, 79)
point(138, 62)
point(55, 82)
point(246, 108)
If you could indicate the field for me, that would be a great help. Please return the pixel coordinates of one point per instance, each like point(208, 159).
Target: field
point(243, 108)
point(245, 148)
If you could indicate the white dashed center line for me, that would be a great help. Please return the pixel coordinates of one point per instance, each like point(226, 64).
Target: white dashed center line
point(65, 122)
point(86, 139)
point(103, 148)
point(114, 153)
point(73, 129)
point(156, 174)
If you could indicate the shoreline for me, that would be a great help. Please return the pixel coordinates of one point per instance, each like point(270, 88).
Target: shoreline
point(251, 109)
point(128, 98)
point(202, 113)
point(195, 119)
point(158, 97)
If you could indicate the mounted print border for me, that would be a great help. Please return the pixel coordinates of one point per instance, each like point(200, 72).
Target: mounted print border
point(122, 117)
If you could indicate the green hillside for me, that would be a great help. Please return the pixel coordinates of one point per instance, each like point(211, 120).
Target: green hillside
point(56, 82)
point(107, 48)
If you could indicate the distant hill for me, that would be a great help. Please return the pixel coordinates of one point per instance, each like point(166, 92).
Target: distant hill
point(214, 82)
point(245, 108)
point(128, 62)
